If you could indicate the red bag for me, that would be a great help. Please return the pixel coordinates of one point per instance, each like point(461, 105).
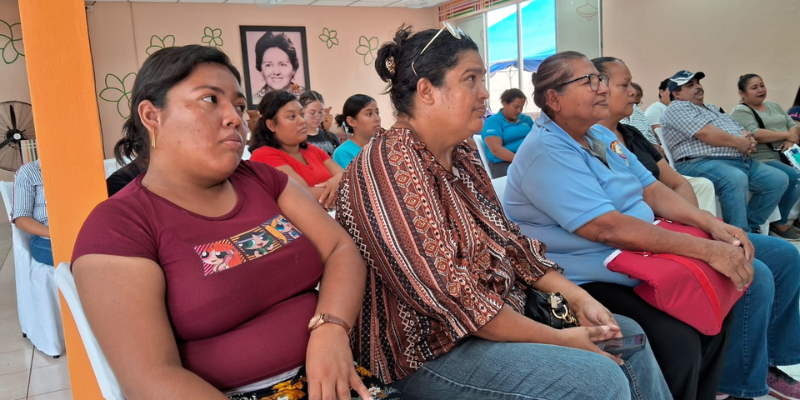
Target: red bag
point(683, 287)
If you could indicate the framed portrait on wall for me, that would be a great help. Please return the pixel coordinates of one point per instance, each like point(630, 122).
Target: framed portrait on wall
point(275, 58)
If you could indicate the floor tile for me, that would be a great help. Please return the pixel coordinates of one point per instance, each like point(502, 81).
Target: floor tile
point(14, 386)
point(10, 325)
point(8, 311)
point(59, 395)
point(43, 360)
point(49, 379)
point(793, 370)
point(15, 361)
point(13, 342)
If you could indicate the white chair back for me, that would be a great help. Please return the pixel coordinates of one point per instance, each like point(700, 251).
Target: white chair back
point(499, 185)
point(38, 307)
point(660, 134)
point(482, 151)
point(109, 386)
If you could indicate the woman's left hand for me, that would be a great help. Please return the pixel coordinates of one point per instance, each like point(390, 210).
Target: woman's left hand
point(732, 235)
point(329, 365)
point(591, 313)
point(786, 145)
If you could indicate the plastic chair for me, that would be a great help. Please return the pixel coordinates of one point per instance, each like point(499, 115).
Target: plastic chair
point(660, 134)
point(109, 386)
point(482, 151)
point(499, 185)
point(38, 307)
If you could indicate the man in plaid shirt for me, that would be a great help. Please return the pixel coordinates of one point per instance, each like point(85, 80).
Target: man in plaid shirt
point(707, 142)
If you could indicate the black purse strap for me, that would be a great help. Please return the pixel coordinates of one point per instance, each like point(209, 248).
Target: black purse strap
point(760, 123)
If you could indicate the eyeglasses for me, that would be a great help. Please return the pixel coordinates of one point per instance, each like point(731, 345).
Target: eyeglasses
point(594, 81)
point(455, 31)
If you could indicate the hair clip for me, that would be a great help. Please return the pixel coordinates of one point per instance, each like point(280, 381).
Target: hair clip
point(390, 65)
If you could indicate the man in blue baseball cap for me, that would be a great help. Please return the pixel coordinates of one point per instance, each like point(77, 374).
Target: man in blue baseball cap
point(706, 142)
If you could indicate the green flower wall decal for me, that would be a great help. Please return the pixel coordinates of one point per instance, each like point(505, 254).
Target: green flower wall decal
point(367, 47)
point(11, 42)
point(328, 36)
point(157, 43)
point(119, 91)
point(212, 37)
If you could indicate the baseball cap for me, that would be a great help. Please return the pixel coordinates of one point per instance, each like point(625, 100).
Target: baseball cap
point(683, 77)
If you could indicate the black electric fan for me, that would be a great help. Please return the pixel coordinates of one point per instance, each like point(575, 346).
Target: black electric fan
point(16, 124)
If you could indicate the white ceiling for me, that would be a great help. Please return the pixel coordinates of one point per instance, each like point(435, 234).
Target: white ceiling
point(327, 3)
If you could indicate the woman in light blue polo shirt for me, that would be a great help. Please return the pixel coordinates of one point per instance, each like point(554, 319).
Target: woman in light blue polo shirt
point(504, 131)
point(575, 187)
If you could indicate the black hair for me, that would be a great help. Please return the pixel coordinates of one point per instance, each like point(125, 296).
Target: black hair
point(797, 98)
point(512, 94)
point(638, 88)
point(663, 86)
point(351, 108)
point(158, 75)
point(309, 97)
point(404, 50)
point(742, 83)
point(600, 63)
point(552, 72)
point(268, 108)
point(280, 41)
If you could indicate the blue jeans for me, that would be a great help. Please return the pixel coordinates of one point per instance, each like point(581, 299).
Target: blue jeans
point(42, 250)
point(792, 194)
point(766, 328)
point(482, 369)
point(732, 179)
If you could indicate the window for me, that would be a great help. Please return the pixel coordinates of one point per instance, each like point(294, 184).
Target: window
point(507, 48)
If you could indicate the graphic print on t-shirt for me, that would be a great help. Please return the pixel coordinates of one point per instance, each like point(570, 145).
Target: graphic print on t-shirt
point(247, 246)
point(219, 256)
point(256, 243)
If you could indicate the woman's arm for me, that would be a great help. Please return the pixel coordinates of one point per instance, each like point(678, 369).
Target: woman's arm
point(315, 191)
point(495, 145)
point(329, 361)
point(123, 298)
point(675, 181)
point(32, 226)
point(629, 233)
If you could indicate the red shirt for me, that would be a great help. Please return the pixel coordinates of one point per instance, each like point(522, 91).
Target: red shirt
point(240, 287)
point(314, 173)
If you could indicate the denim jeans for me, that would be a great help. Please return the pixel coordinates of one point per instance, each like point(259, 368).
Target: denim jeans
point(42, 249)
point(766, 328)
point(792, 194)
point(482, 369)
point(733, 178)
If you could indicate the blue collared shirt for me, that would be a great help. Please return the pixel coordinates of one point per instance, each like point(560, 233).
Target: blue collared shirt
point(556, 186)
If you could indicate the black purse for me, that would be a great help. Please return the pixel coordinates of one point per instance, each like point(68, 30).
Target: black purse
point(550, 309)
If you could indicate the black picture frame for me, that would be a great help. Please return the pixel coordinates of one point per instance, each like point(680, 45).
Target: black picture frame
point(255, 81)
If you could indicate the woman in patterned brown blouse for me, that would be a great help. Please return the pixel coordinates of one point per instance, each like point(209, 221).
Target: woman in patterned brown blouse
point(443, 308)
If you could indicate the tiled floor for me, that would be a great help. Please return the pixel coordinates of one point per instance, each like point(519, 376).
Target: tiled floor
point(26, 373)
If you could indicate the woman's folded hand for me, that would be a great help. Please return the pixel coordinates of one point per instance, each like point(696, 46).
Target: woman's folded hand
point(329, 365)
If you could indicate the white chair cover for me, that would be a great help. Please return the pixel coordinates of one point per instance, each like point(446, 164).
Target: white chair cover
point(482, 151)
point(109, 386)
point(660, 134)
point(499, 185)
point(37, 296)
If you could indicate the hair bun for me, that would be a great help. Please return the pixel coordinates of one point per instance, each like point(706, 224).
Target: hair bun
point(388, 55)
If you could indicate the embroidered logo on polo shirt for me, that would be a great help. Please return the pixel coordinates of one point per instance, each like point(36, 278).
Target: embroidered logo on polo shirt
point(254, 243)
point(616, 146)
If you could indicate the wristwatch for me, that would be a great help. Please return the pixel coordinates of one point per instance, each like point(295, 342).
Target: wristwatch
point(322, 318)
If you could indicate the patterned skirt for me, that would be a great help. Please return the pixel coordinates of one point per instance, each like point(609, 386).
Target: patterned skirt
point(297, 388)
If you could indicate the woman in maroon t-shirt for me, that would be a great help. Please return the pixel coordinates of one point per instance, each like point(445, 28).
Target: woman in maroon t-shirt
point(279, 139)
point(199, 277)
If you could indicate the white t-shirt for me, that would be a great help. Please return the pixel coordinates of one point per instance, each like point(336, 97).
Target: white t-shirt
point(654, 113)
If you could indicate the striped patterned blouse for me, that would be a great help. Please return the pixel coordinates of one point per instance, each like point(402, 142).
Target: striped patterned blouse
point(29, 193)
point(442, 257)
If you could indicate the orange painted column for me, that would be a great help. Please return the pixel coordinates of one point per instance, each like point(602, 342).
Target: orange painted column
point(69, 140)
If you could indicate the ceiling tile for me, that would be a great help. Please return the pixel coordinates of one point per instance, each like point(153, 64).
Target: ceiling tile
point(370, 4)
point(240, 1)
point(332, 2)
point(201, 1)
